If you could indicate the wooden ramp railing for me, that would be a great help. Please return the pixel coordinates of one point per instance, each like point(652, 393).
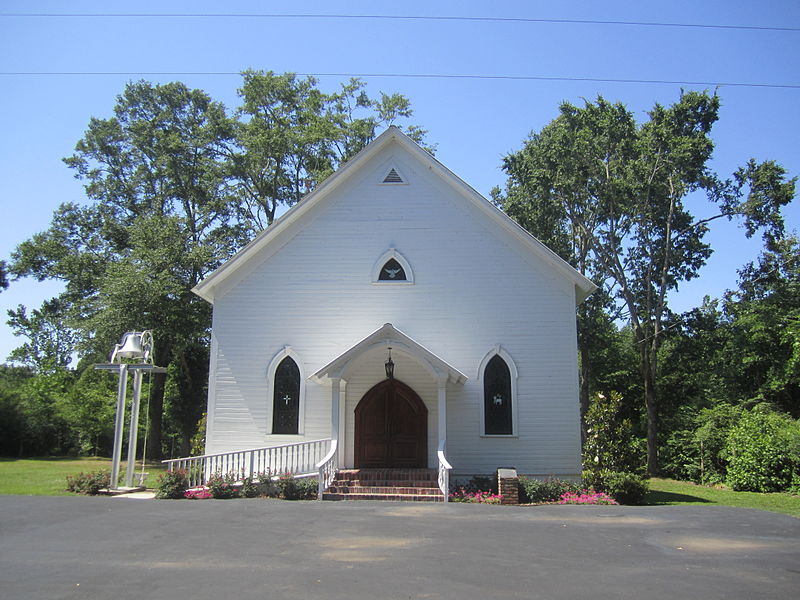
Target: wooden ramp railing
point(300, 459)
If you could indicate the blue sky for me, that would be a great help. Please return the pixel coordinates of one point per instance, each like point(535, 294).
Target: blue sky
point(473, 122)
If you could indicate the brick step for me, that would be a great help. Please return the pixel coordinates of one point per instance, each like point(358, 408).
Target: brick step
point(340, 488)
point(385, 497)
point(395, 483)
point(388, 474)
point(399, 485)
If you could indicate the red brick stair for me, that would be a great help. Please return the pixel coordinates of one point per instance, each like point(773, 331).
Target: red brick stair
point(415, 485)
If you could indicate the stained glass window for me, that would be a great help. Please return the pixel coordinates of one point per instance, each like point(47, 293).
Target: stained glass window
point(286, 397)
point(497, 398)
point(392, 271)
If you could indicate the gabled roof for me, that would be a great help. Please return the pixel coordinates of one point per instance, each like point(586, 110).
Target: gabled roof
point(388, 335)
point(207, 288)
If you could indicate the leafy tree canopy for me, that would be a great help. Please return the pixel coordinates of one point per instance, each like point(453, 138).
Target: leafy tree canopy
point(611, 195)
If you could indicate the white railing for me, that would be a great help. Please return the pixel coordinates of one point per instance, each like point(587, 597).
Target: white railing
point(327, 467)
point(300, 459)
point(444, 472)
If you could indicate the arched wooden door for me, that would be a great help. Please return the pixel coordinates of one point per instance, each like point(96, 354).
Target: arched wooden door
point(391, 428)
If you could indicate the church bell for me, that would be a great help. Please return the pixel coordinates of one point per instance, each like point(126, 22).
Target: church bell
point(129, 347)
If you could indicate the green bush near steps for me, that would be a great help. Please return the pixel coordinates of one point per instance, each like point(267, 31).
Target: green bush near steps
point(534, 491)
point(89, 483)
point(172, 485)
point(624, 487)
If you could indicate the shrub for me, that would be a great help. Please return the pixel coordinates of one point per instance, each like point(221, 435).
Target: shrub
point(763, 451)
point(221, 486)
point(289, 488)
point(532, 491)
point(625, 488)
point(171, 485)
point(286, 486)
point(253, 487)
point(713, 427)
point(610, 443)
point(307, 488)
point(89, 483)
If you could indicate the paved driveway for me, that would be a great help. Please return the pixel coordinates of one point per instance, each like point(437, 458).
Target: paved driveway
point(104, 548)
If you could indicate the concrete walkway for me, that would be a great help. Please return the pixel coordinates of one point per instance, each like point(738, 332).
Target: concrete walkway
point(78, 547)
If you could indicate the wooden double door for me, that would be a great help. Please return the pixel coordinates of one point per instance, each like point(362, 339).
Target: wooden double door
point(391, 428)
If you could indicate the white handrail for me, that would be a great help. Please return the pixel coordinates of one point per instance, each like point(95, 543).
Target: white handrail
point(299, 458)
point(444, 471)
point(327, 468)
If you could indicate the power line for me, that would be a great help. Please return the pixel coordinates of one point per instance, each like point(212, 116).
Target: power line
point(417, 76)
point(404, 18)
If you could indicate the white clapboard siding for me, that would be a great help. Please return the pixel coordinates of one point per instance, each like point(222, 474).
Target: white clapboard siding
point(475, 287)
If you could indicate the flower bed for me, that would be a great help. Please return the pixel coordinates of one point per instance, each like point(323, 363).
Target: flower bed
point(479, 497)
point(586, 497)
point(198, 494)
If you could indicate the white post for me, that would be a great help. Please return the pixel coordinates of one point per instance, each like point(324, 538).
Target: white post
point(335, 392)
point(119, 425)
point(442, 388)
point(133, 430)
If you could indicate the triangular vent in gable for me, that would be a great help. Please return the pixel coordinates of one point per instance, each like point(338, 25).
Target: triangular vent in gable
point(393, 177)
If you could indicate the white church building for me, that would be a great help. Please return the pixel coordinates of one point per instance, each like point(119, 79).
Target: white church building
point(396, 319)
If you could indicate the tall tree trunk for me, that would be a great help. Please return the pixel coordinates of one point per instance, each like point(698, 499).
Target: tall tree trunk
point(155, 414)
point(647, 368)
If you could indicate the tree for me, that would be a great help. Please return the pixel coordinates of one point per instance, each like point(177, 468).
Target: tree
point(288, 136)
point(547, 193)
point(622, 188)
point(177, 185)
point(12, 419)
point(610, 444)
point(51, 341)
point(160, 222)
point(762, 351)
point(3, 277)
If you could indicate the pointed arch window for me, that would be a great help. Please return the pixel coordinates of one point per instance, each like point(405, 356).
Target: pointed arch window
point(286, 397)
point(499, 409)
point(392, 271)
point(392, 267)
point(286, 391)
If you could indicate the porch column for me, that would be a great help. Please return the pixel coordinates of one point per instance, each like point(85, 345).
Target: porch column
point(441, 385)
point(335, 389)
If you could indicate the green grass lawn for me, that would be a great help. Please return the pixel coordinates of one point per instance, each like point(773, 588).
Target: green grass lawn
point(48, 476)
point(669, 491)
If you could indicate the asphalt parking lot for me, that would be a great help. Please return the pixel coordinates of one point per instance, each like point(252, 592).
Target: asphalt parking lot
point(119, 548)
